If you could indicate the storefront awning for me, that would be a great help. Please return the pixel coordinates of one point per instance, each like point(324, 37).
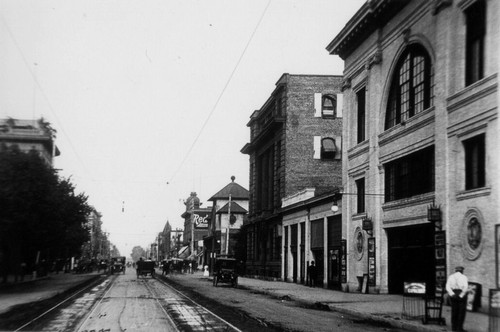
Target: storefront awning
point(184, 252)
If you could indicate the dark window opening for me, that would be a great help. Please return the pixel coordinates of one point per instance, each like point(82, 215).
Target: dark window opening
point(328, 148)
point(265, 181)
point(361, 98)
point(360, 186)
point(475, 160)
point(410, 175)
point(476, 30)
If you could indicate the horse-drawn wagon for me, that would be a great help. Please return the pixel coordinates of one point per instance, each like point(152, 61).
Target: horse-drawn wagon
point(145, 268)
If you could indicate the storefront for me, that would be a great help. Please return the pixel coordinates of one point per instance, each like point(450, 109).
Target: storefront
point(313, 232)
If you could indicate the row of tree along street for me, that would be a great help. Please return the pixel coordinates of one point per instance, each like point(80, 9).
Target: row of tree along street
point(42, 219)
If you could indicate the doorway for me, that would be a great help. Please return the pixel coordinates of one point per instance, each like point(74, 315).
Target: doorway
point(319, 262)
point(410, 256)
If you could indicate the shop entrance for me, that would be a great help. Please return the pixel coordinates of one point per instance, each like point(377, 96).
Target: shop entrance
point(411, 256)
point(334, 259)
point(318, 261)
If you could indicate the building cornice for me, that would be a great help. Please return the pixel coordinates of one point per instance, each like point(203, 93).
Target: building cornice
point(372, 15)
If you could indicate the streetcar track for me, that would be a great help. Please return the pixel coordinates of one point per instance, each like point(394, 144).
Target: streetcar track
point(95, 306)
point(182, 312)
point(199, 305)
point(163, 309)
point(45, 313)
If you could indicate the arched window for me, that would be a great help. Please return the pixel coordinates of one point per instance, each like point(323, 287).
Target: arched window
point(411, 87)
point(328, 107)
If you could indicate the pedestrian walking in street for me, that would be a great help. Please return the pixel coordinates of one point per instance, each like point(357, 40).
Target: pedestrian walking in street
point(312, 274)
point(457, 286)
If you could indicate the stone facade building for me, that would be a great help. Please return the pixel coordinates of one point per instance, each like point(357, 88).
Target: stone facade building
point(29, 135)
point(420, 135)
point(295, 143)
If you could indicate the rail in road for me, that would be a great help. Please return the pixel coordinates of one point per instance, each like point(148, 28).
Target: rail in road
point(127, 302)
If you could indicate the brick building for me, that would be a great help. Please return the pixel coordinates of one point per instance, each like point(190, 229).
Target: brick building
point(420, 131)
point(295, 143)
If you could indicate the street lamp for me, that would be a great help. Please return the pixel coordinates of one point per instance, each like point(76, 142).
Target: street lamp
point(434, 216)
point(338, 197)
point(367, 225)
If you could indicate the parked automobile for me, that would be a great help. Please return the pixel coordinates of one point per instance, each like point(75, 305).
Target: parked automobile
point(118, 264)
point(225, 271)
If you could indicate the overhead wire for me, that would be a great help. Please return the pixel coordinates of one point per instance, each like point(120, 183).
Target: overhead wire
point(221, 93)
point(47, 100)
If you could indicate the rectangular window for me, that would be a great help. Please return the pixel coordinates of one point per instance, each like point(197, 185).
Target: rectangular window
point(250, 245)
point(475, 162)
point(476, 30)
point(265, 180)
point(361, 98)
point(317, 234)
point(360, 187)
point(410, 175)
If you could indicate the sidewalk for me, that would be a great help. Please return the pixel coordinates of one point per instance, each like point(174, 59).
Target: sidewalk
point(29, 290)
point(381, 308)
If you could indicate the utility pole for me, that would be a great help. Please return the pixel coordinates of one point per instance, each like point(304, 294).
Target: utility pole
point(228, 224)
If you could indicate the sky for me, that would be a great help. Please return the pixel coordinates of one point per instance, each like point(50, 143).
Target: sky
point(151, 98)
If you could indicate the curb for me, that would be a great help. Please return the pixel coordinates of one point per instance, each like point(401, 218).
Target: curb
point(401, 324)
point(392, 322)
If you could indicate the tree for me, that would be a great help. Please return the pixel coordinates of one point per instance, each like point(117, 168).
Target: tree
point(137, 252)
point(40, 212)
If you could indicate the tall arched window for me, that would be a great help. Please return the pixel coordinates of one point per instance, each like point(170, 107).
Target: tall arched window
point(411, 87)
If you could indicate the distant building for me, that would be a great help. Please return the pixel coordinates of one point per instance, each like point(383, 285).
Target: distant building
point(98, 245)
point(229, 209)
point(29, 135)
point(295, 144)
point(176, 241)
point(164, 242)
point(420, 142)
point(195, 228)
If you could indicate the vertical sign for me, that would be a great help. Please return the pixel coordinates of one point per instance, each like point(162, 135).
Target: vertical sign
point(343, 264)
point(497, 250)
point(494, 313)
point(440, 257)
point(371, 261)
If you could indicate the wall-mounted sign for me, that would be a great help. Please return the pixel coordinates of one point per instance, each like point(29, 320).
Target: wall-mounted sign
point(371, 262)
point(343, 261)
point(440, 255)
point(200, 220)
point(414, 287)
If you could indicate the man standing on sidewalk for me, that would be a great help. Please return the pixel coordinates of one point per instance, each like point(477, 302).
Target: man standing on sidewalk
point(312, 274)
point(457, 286)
